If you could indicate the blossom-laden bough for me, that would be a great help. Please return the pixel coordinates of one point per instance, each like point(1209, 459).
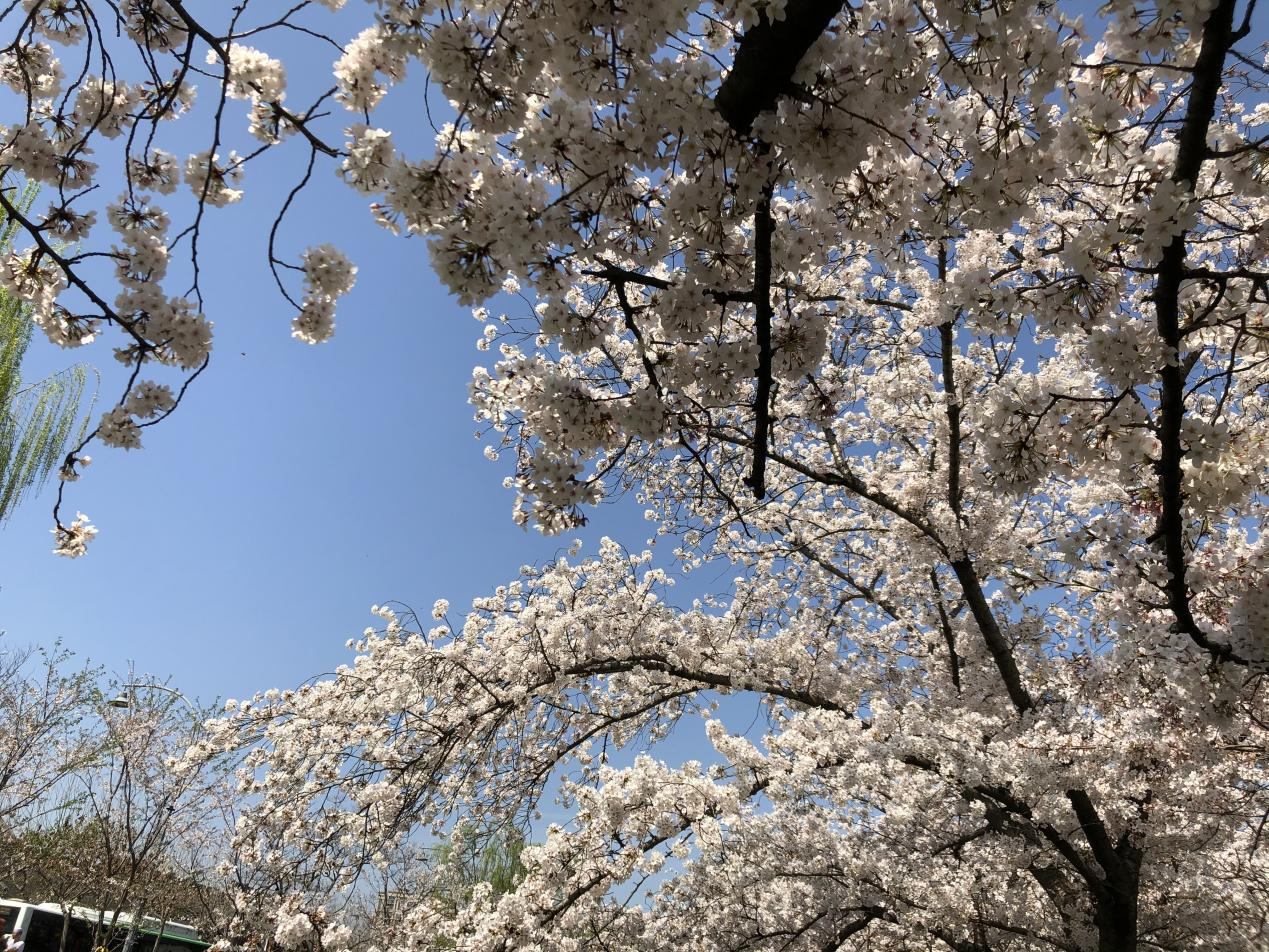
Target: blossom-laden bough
point(890, 801)
point(946, 334)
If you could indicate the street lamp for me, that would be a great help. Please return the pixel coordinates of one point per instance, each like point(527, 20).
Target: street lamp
point(126, 700)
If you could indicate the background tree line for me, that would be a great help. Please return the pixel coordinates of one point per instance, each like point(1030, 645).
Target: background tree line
point(96, 811)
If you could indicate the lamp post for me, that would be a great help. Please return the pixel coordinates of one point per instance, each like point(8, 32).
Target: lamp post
point(127, 700)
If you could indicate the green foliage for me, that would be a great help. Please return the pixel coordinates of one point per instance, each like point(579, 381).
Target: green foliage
point(56, 861)
point(39, 421)
point(493, 858)
point(79, 860)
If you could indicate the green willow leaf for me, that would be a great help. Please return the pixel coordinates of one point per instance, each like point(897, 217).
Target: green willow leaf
point(39, 421)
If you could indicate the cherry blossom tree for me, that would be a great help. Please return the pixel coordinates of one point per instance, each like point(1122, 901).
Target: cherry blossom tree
point(940, 324)
point(145, 818)
point(43, 697)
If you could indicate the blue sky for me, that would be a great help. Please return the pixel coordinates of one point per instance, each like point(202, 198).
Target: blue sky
point(295, 486)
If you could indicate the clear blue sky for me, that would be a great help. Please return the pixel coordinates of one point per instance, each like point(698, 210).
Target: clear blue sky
point(296, 486)
point(293, 488)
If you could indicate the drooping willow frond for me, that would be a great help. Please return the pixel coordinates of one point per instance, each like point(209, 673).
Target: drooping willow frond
point(39, 421)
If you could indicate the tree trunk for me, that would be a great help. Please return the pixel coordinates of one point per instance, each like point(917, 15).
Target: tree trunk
point(1115, 914)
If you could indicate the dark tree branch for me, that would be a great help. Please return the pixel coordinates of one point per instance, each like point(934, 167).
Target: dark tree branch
point(612, 272)
point(997, 645)
point(762, 229)
point(949, 636)
point(1094, 831)
point(1014, 816)
point(870, 915)
point(1244, 29)
point(1115, 903)
point(848, 481)
point(664, 665)
point(963, 566)
point(947, 335)
point(766, 58)
point(1191, 150)
point(628, 312)
point(615, 273)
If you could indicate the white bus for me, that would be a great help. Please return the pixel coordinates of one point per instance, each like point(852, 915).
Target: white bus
point(42, 926)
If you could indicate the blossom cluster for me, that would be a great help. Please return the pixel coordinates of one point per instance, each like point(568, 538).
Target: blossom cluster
point(328, 275)
point(93, 87)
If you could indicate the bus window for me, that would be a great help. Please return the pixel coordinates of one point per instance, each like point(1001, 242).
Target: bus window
point(8, 918)
point(79, 938)
point(45, 933)
point(181, 945)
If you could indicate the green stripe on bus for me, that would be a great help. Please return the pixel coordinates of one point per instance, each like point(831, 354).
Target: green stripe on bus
point(178, 938)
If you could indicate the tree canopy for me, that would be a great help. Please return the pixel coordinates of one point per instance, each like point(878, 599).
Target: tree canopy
point(941, 323)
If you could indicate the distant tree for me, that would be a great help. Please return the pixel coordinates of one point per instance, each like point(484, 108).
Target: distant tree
point(51, 861)
point(38, 420)
point(474, 858)
point(143, 810)
point(63, 861)
point(47, 737)
point(92, 812)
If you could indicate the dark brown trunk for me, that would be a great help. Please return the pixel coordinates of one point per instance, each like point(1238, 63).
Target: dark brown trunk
point(1116, 909)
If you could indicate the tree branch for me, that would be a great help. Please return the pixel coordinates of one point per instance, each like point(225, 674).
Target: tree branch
point(766, 58)
point(762, 229)
point(1191, 151)
point(870, 915)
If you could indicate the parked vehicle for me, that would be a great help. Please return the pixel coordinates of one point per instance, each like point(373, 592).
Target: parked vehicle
point(91, 930)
